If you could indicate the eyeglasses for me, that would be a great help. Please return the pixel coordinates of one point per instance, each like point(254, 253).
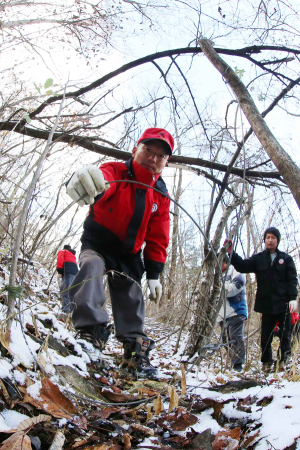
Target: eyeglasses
point(160, 155)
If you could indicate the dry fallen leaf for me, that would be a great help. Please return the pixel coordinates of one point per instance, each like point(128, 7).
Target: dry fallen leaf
point(249, 439)
point(127, 441)
point(17, 441)
point(158, 405)
point(53, 401)
point(37, 333)
point(180, 420)
point(5, 393)
point(28, 423)
point(173, 398)
point(227, 439)
point(147, 391)
point(217, 406)
point(143, 429)
point(118, 398)
point(5, 337)
point(183, 381)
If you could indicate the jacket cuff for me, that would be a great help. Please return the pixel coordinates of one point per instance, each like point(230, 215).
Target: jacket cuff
point(153, 269)
point(152, 275)
point(59, 270)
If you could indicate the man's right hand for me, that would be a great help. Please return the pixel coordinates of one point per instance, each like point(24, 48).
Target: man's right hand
point(228, 241)
point(85, 184)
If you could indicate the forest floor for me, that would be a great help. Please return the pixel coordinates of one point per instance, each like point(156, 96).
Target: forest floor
point(55, 394)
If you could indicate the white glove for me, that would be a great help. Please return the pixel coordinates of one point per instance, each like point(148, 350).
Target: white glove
point(155, 290)
point(86, 184)
point(293, 306)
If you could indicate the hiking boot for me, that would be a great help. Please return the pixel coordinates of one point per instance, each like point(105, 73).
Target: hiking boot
point(238, 367)
point(127, 355)
point(96, 335)
point(282, 365)
point(139, 362)
point(267, 366)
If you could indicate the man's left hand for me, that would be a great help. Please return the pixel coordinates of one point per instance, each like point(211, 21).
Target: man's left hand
point(155, 290)
point(293, 306)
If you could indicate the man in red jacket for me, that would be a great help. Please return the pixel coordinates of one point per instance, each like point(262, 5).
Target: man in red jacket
point(66, 267)
point(122, 217)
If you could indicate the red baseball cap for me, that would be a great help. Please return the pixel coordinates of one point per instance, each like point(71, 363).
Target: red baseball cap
point(160, 134)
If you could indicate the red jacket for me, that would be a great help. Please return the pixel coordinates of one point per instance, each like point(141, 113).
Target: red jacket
point(66, 263)
point(127, 215)
point(294, 318)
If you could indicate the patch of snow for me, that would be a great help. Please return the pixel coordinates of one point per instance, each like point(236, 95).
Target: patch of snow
point(206, 421)
point(20, 377)
point(5, 369)
point(34, 390)
point(19, 348)
point(10, 419)
point(62, 422)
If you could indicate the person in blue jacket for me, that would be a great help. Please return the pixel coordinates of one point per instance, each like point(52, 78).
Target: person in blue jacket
point(235, 313)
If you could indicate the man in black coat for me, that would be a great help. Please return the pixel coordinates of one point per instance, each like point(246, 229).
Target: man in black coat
point(276, 294)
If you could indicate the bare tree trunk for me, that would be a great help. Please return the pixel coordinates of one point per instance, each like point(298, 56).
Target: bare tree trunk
point(287, 168)
point(208, 299)
point(22, 221)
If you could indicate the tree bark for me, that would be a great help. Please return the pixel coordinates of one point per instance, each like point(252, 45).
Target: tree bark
point(287, 168)
point(22, 221)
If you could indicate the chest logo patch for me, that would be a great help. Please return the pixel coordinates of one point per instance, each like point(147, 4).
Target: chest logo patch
point(154, 207)
point(281, 261)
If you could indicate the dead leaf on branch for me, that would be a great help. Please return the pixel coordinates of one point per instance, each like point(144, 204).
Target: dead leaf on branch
point(183, 381)
point(17, 441)
point(158, 405)
point(149, 413)
point(173, 398)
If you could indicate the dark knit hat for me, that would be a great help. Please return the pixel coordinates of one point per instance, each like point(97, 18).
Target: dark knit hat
point(67, 247)
point(275, 231)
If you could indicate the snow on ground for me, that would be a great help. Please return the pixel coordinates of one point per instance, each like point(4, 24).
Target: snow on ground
point(279, 417)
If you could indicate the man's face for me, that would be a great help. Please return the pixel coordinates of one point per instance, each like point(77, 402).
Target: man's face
point(271, 242)
point(151, 156)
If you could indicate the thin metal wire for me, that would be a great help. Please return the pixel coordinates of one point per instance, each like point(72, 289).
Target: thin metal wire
point(195, 223)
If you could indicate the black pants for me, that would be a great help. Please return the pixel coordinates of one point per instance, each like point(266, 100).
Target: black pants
point(267, 329)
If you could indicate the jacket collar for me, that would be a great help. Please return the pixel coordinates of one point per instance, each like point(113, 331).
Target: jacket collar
point(140, 174)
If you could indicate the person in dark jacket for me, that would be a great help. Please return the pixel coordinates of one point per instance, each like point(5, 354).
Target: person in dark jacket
point(235, 312)
point(66, 267)
point(122, 217)
point(276, 294)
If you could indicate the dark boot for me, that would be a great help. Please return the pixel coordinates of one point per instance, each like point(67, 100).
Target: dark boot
point(139, 362)
point(97, 335)
point(127, 355)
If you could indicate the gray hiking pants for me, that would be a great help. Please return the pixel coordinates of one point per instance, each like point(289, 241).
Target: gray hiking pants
point(126, 296)
point(64, 292)
point(234, 331)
